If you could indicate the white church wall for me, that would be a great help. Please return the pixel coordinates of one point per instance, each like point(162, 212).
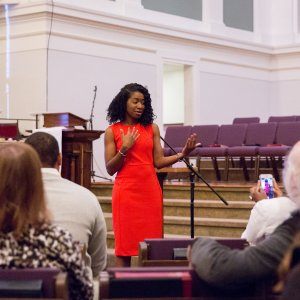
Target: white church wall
point(226, 76)
point(239, 97)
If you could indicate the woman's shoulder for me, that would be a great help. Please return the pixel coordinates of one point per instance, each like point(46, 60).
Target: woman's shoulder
point(154, 127)
point(113, 127)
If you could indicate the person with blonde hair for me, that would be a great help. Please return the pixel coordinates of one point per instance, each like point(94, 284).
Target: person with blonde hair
point(266, 214)
point(27, 238)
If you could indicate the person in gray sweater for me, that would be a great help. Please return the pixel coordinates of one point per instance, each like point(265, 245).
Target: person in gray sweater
point(227, 268)
point(73, 207)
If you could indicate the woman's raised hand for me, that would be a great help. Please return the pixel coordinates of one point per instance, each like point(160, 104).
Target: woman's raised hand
point(129, 138)
point(190, 144)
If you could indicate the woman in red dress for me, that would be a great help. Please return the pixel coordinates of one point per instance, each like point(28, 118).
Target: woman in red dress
point(133, 149)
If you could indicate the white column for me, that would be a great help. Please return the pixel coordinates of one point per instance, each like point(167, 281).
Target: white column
point(132, 8)
point(212, 15)
point(275, 21)
point(282, 25)
point(133, 3)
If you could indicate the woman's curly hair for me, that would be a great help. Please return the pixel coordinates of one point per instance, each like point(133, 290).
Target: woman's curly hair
point(117, 108)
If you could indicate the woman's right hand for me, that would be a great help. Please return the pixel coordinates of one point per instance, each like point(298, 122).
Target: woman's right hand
point(256, 193)
point(129, 138)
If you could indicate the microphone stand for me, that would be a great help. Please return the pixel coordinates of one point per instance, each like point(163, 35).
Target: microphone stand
point(92, 110)
point(93, 173)
point(192, 184)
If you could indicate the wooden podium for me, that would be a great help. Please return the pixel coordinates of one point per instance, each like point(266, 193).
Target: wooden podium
point(63, 119)
point(77, 146)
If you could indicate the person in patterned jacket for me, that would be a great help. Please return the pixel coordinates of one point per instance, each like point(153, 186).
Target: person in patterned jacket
point(27, 237)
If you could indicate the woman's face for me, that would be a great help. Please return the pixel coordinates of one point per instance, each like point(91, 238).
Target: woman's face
point(135, 105)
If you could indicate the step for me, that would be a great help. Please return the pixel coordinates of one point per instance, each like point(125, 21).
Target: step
point(209, 174)
point(230, 192)
point(105, 203)
point(111, 259)
point(108, 221)
point(203, 208)
point(205, 226)
point(181, 190)
point(208, 208)
point(212, 227)
point(111, 238)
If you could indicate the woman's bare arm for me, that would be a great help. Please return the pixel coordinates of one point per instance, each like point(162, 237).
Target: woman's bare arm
point(114, 159)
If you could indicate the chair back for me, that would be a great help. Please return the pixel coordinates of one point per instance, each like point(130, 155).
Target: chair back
point(232, 135)
point(170, 282)
point(260, 134)
point(9, 130)
point(206, 134)
point(246, 120)
point(33, 283)
point(176, 135)
point(161, 252)
point(279, 119)
point(288, 133)
point(151, 282)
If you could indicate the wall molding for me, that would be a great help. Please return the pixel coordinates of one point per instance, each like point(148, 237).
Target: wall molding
point(102, 29)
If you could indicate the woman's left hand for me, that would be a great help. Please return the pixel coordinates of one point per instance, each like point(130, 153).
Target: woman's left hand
point(190, 144)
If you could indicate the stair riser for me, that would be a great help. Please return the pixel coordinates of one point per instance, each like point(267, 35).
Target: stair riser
point(106, 207)
point(200, 193)
point(208, 212)
point(198, 231)
point(111, 260)
point(110, 242)
point(202, 211)
point(104, 191)
point(205, 212)
point(109, 224)
point(210, 175)
point(184, 193)
point(203, 230)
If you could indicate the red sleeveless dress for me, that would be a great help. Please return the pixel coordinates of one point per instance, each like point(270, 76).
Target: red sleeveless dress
point(137, 196)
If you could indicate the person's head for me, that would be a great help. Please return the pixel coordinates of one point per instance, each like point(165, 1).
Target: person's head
point(22, 199)
point(133, 100)
point(291, 174)
point(47, 148)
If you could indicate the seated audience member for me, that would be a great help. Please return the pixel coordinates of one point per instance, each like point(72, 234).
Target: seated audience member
point(292, 285)
point(230, 268)
point(27, 238)
point(289, 272)
point(266, 214)
point(289, 269)
point(73, 207)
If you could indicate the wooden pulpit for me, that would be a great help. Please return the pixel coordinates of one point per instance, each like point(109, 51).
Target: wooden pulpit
point(77, 146)
point(63, 119)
